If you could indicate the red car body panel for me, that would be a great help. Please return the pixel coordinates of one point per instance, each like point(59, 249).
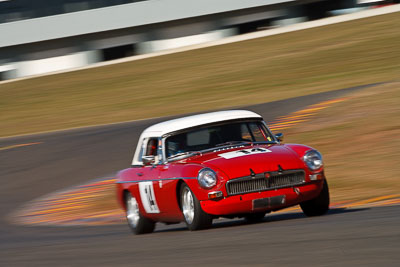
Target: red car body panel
point(166, 180)
point(242, 204)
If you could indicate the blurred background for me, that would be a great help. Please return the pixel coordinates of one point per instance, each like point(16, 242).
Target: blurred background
point(45, 36)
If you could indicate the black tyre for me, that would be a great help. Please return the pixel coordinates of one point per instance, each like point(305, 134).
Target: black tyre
point(254, 217)
point(137, 223)
point(195, 217)
point(319, 205)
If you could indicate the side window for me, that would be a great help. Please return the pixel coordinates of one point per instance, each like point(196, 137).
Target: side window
point(257, 133)
point(175, 144)
point(151, 147)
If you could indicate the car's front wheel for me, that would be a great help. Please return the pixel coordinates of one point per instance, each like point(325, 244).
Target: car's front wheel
point(319, 205)
point(195, 217)
point(137, 223)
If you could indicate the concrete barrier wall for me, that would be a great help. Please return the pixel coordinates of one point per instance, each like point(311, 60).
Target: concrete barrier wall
point(35, 67)
point(160, 45)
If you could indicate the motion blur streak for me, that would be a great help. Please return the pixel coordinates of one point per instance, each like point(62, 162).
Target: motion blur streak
point(305, 114)
point(72, 207)
point(19, 145)
point(95, 204)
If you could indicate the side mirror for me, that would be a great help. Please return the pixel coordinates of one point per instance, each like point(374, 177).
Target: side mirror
point(149, 160)
point(279, 136)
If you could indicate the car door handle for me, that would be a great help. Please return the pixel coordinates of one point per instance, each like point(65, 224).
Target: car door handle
point(140, 173)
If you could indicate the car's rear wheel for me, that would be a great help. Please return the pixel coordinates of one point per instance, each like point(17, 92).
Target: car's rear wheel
point(254, 217)
point(137, 223)
point(319, 205)
point(195, 217)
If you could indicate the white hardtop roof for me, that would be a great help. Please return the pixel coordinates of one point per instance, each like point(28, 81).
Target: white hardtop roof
point(162, 128)
point(159, 129)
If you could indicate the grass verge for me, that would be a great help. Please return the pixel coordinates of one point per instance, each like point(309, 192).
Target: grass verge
point(255, 71)
point(359, 141)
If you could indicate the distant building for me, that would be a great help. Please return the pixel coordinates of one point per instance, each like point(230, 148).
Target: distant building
point(43, 36)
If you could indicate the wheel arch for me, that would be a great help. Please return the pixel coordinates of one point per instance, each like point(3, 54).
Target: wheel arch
point(193, 186)
point(124, 194)
point(178, 192)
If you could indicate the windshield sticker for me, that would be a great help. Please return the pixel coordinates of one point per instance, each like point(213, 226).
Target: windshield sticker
point(244, 152)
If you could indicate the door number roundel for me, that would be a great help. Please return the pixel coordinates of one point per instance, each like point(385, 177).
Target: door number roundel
point(148, 197)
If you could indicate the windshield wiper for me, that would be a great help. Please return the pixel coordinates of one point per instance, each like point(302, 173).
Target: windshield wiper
point(187, 153)
point(234, 143)
point(265, 142)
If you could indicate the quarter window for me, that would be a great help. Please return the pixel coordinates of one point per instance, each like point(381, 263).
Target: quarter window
point(151, 147)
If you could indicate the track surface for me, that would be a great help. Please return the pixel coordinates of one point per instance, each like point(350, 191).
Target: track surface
point(54, 161)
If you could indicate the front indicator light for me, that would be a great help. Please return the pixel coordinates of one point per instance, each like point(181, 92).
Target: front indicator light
point(215, 195)
point(314, 177)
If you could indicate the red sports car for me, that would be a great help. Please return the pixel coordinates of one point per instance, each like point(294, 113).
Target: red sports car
point(220, 164)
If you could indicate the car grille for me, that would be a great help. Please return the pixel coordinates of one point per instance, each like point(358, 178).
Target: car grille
point(258, 182)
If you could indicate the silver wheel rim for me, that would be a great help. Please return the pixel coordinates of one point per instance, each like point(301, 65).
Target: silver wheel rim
point(188, 205)
point(132, 211)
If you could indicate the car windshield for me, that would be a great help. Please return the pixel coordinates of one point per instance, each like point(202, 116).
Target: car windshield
point(216, 135)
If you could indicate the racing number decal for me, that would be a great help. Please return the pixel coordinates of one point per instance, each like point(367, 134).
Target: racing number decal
point(244, 152)
point(148, 198)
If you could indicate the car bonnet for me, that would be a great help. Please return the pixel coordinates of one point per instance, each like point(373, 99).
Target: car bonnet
point(238, 162)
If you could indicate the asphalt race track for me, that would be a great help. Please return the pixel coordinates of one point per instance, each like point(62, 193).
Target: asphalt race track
point(344, 237)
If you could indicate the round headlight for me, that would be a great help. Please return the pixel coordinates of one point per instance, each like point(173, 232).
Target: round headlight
point(207, 178)
point(313, 159)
